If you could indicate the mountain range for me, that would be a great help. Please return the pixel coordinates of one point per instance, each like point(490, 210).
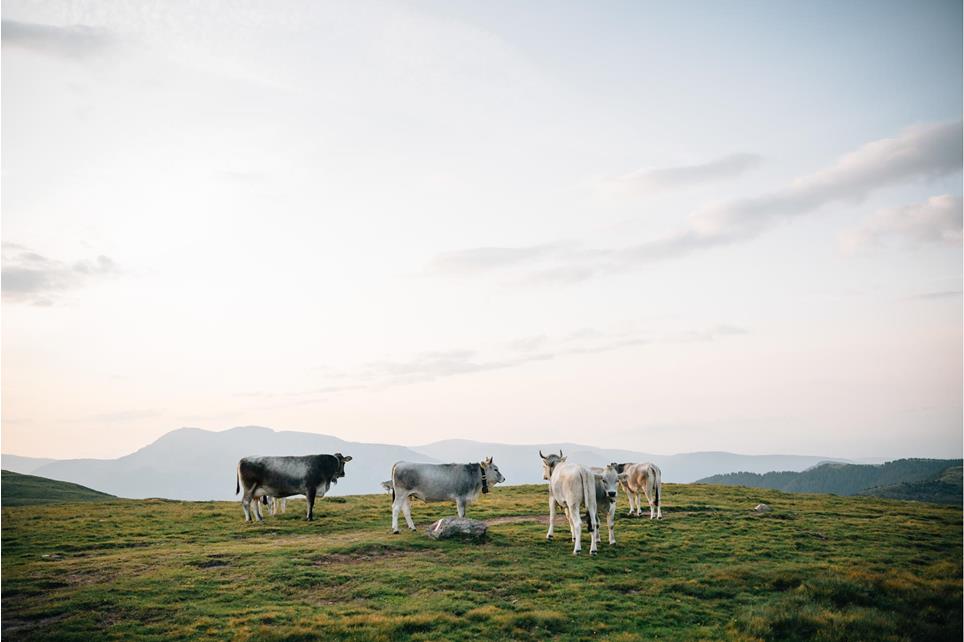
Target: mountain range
point(196, 464)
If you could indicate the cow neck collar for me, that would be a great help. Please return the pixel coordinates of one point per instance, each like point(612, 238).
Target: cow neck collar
point(485, 484)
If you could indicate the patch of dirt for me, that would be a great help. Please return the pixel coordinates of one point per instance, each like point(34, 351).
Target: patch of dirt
point(212, 563)
point(543, 518)
point(518, 519)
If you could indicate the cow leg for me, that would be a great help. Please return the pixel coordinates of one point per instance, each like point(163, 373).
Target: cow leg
point(630, 497)
point(460, 506)
point(246, 505)
point(593, 520)
point(572, 531)
point(552, 517)
point(284, 504)
point(310, 495)
point(649, 500)
point(396, 506)
point(257, 509)
point(575, 524)
point(407, 511)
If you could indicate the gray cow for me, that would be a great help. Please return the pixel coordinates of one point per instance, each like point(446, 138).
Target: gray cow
point(311, 476)
point(461, 483)
point(607, 480)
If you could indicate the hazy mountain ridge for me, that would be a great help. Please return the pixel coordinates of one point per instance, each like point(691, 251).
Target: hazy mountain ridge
point(922, 479)
point(23, 465)
point(197, 464)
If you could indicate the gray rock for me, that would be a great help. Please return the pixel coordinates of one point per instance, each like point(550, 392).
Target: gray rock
point(762, 508)
point(459, 527)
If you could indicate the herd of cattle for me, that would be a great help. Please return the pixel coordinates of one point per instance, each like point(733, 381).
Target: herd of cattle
point(571, 486)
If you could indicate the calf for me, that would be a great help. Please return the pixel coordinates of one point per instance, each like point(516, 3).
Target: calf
point(461, 483)
point(571, 486)
point(646, 479)
point(278, 504)
point(311, 476)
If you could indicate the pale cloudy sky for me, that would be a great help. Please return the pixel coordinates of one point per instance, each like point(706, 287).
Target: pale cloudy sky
point(662, 226)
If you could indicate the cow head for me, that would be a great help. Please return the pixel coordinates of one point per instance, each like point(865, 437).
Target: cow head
point(491, 471)
point(610, 479)
point(620, 468)
point(342, 459)
point(549, 462)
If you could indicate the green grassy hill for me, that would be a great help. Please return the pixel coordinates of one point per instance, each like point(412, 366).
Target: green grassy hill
point(945, 488)
point(933, 480)
point(816, 567)
point(20, 490)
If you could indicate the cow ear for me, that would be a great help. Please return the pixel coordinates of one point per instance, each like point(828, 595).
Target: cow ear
point(623, 476)
point(346, 458)
point(562, 459)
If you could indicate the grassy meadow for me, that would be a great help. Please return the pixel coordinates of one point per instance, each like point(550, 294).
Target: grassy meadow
point(21, 490)
point(817, 567)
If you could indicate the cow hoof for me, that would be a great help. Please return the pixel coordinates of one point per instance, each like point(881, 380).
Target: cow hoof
point(394, 532)
point(593, 553)
point(548, 538)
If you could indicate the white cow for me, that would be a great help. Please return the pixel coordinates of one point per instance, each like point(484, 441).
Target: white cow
point(571, 486)
point(643, 479)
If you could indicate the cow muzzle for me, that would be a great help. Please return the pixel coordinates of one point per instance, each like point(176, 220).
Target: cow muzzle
point(612, 494)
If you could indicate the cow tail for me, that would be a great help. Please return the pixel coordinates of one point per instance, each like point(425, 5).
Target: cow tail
point(393, 483)
point(238, 480)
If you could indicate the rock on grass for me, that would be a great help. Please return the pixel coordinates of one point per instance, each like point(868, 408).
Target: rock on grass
point(458, 527)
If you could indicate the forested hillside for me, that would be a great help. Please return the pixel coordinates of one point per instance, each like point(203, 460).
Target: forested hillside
point(934, 480)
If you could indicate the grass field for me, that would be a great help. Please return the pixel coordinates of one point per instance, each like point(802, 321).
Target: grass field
point(817, 567)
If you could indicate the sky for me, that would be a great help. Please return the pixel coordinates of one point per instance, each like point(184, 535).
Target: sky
point(668, 227)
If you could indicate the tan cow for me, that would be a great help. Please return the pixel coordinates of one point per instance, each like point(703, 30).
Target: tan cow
point(646, 479)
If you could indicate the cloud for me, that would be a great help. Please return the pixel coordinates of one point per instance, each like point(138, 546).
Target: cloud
point(937, 220)
point(686, 175)
point(432, 366)
point(484, 258)
point(28, 277)
point(123, 416)
point(77, 41)
point(923, 151)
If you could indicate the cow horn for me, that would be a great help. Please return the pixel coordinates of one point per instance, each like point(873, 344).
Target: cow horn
point(540, 454)
point(560, 453)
